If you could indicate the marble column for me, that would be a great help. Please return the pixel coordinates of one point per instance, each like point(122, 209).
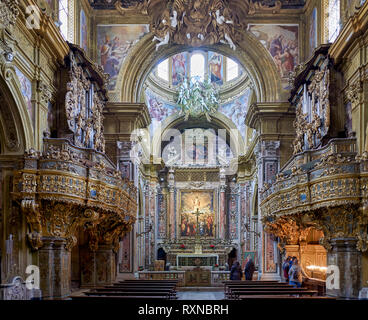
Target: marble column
point(221, 225)
point(146, 224)
point(98, 268)
point(268, 159)
point(55, 268)
point(345, 262)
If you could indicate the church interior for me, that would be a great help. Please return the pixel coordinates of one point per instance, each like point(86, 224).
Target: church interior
point(164, 141)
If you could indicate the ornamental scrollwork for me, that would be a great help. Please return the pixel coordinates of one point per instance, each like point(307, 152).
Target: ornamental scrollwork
point(84, 116)
point(33, 216)
point(9, 12)
point(196, 22)
point(312, 121)
point(346, 221)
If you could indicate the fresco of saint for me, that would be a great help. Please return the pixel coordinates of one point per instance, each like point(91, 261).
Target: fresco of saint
point(178, 68)
point(215, 63)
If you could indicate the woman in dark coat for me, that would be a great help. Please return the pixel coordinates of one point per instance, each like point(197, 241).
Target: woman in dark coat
point(236, 272)
point(249, 270)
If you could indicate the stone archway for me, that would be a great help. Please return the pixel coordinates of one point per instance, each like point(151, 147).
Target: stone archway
point(250, 54)
point(16, 137)
point(219, 121)
point(16, 130)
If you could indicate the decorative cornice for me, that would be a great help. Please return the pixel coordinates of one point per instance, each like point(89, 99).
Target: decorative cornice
point(261, 111)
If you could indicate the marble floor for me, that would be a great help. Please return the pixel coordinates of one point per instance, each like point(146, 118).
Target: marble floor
point(200, 295)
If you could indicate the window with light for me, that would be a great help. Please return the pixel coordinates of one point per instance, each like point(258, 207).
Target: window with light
point(232, 69)
point(163, 70)
point(64, 18)
point(333, 19)
point(197, 64)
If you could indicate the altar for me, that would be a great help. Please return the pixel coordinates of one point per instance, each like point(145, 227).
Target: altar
point(197, 260)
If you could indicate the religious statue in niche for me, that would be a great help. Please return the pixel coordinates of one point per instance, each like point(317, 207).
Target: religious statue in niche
point(192, 202)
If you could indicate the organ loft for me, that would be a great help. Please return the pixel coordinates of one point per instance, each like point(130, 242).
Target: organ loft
point(172, 141)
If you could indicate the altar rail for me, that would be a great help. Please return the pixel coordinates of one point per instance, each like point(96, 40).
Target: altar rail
point(163, 275)
point(216, 276)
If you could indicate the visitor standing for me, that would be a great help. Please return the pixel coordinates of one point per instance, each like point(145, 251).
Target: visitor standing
point(236, 272)
point(286, 268)
point(249, 269)
point(295, 274)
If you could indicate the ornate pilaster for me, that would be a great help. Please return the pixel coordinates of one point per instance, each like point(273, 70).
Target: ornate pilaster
point(234, 213)
point(222, 201)
point(146, 223)
point(268, 165)
point(171, 185)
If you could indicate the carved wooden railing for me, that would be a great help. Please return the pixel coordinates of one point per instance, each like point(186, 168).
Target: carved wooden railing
point(163, 275)
point(218, 276)
point(315, 179)
point(325, 188)
point(66, 187)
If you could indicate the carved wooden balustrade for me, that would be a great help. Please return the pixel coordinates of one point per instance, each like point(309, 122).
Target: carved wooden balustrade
point(313, 183)
point(66, 187)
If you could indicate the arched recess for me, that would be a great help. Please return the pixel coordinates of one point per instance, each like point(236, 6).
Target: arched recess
point(218, 121)
point(251, 54)
point(16, 130)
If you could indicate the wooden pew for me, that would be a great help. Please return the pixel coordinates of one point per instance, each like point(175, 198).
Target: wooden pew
point(118, 290)
point(167, 294)
point(296, 291)
point(109, 298)
point(282, 297)
point(231, 288)
point(248, 284)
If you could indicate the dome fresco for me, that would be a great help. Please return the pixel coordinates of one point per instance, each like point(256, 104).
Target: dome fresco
point(201, 65)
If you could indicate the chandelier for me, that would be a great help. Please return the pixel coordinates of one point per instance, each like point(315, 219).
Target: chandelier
point(197, 99)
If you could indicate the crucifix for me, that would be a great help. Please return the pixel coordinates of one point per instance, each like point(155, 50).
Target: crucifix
point(198, 247)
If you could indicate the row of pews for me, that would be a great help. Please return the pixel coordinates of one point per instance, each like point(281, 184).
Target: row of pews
point(243, 290)
point(132, 289)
